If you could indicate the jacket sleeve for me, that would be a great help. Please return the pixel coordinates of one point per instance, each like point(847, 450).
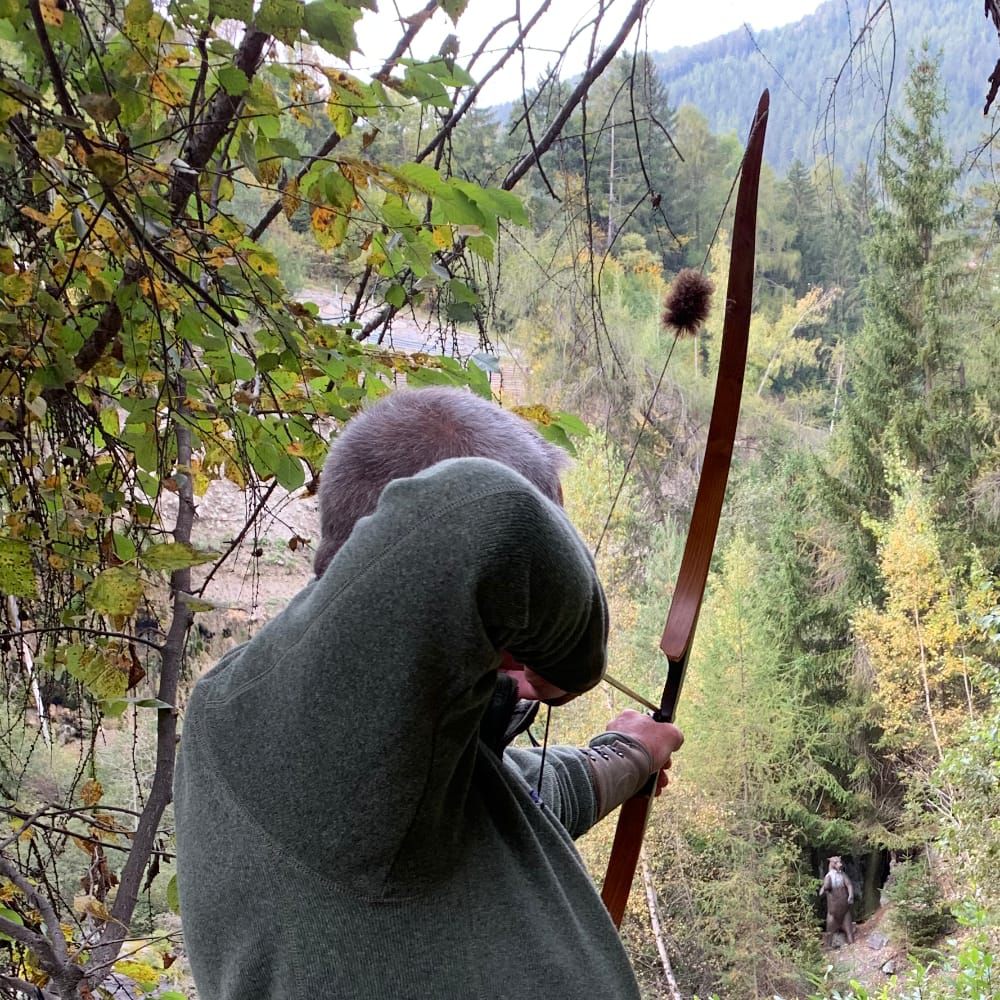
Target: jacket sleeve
point(567, 788)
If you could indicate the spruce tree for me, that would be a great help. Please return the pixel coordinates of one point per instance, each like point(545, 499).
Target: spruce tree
point(812, 238)
point(907, 389)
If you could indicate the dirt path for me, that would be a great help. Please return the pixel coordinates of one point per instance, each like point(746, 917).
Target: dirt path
point(871, 959)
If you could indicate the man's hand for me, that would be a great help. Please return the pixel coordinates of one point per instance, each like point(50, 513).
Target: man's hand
point(660, 739)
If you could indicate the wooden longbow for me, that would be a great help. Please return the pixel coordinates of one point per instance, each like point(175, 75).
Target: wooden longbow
point(678, 634)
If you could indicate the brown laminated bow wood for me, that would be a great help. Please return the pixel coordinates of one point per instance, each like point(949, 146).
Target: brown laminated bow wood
point(682, 618)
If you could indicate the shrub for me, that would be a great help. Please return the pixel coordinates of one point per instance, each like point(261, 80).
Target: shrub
point(918, 915)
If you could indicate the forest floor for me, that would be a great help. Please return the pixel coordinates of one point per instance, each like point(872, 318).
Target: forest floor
point(872, 959)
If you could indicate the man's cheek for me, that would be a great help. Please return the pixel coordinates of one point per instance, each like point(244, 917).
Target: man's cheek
point(508, 664)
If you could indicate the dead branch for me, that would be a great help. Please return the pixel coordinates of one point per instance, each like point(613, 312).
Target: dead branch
point(654, 922)
point(579, 92)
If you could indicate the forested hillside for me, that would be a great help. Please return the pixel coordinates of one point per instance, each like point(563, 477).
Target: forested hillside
point(219, 243)
point(832, 100)
point(843, 690)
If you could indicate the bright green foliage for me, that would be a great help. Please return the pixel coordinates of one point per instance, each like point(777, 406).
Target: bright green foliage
point(702, 180)
point(812, 237)
point(740, 691)
point(17, 576)
point(751, 767)
point(970, 777)
point(965, 972)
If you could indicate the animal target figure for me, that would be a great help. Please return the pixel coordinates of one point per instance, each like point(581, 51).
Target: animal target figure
point(839, 897)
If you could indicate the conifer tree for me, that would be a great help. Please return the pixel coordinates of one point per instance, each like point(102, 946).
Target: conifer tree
point(812, 238)
point(851, 225)
point(907, 386)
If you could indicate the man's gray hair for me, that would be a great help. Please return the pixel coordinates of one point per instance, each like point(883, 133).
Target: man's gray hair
point(411, 430)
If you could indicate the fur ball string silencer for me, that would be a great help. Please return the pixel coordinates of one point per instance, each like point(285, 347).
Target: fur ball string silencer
point(688, 301)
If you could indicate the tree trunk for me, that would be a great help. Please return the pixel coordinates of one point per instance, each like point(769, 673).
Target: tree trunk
point(870, 886)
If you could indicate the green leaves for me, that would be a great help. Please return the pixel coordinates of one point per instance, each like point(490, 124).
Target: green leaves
point(459, 202)
point(168, 556)
point(113, 708)
point(329, 227)
point(104, 675)
point(336, 189)
point(17, 574)
point(282, 18)
point(49, 142)
point(428, 81)
point(116, 592)
point(559, 427)
point(233, 80)
point(331, 24)
point(107, 165)
point(173, 897)
point(138, 12)
point(453, 8)
point(236, 10)
point(13, 916)
point(100, 107)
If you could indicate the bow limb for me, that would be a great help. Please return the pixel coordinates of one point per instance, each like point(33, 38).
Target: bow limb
point(678, 634)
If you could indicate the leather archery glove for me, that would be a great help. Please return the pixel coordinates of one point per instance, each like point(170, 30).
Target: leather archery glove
point(619, 767)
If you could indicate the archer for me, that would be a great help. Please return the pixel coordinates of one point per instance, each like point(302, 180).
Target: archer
point(352, 821)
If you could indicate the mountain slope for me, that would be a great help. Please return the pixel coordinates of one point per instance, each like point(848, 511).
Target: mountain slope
point(810, 118)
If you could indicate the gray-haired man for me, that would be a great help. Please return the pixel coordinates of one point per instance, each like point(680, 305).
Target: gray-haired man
point(351, 822)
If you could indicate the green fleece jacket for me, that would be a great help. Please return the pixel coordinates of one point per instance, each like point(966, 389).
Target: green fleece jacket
point(342, 830)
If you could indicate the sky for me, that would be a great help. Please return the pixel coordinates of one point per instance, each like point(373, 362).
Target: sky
point(669, 23)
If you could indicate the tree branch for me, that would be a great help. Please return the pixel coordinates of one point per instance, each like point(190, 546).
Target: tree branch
point(579, 92)
point(457, 115)
point(103, 633)
point(172, 657)
point(51, 951)
point(415, 23)
point(222, 109)
point(58, 80)
point(654, 923)
point(28, 989)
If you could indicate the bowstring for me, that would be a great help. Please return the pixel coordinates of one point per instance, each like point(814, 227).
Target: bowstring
point(647, 412)
point(536, 792)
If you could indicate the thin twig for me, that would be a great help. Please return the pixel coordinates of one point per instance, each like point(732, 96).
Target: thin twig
point(577, 95)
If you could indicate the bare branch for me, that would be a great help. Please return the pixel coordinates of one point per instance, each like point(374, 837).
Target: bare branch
point(51, 949)
point(579, 92)
point(458, 114)
point(172, 655)
point(28, 989)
